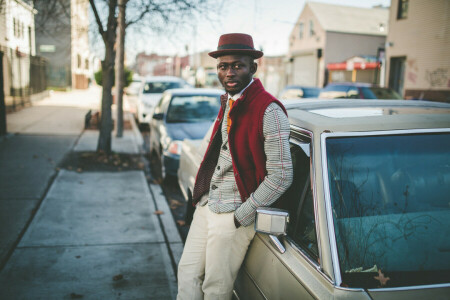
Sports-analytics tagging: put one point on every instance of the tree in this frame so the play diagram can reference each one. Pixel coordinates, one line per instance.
(141, 11)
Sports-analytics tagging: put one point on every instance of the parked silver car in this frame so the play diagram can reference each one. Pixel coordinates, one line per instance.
(369, 208)
(151, 91)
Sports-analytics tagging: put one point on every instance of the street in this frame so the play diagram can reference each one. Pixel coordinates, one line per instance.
(76, 225)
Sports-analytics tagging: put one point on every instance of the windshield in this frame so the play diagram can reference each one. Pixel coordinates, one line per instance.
(160, 87)
(391, 208)
(193, 109)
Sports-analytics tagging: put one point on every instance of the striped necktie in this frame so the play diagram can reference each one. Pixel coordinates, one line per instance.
(231, 102)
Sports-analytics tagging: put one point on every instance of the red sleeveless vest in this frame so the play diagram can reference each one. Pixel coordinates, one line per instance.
(245, 140)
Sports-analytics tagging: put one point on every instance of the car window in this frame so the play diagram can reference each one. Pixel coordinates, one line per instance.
(385, 93)
(160, 87)
(298, 201)
(391, 208)
(162, 103)
(193, 108)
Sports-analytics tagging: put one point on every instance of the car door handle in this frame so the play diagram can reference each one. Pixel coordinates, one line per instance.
(277, 243)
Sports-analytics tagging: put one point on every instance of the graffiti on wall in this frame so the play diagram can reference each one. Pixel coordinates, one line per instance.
(437, 77)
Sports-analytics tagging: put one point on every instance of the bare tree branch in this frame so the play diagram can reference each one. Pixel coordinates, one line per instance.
(97, 19)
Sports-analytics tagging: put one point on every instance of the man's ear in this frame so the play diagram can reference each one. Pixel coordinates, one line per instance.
(253, 68)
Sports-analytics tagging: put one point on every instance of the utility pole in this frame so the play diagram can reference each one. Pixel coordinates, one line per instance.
(119, 66)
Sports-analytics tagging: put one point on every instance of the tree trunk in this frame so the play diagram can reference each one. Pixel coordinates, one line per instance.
(119, 67)
(104, 139)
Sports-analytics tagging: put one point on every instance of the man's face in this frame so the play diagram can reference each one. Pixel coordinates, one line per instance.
(235, 72)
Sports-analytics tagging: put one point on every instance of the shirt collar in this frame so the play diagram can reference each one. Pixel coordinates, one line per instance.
(236, 96)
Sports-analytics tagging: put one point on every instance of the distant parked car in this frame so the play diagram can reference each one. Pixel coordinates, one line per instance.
(354, 90)
(298, 91)
(151, 91)
(180, 114)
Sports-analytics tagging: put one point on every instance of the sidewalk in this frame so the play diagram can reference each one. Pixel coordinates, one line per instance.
(95, 235)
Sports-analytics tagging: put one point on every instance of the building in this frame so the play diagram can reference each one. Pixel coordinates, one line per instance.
(326, 33)
(417, 52)
(62, 38)
(21, 70)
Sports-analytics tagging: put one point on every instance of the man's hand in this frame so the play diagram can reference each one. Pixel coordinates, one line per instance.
(236, 222)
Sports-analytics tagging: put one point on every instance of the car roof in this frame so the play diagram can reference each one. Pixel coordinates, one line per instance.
(195, 91)
(350, 115)
(163, 78)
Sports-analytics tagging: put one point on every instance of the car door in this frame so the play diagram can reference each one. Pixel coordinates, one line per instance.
(268, 274)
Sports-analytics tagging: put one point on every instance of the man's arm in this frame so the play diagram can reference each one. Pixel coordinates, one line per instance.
(278, 165)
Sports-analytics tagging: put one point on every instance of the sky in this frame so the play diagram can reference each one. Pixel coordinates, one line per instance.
(268, 21)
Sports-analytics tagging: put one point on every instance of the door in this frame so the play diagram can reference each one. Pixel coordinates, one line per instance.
(268, 274)
(397, 74)
(305, 70)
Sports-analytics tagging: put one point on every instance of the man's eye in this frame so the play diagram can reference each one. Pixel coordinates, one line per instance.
(222, 67)
(237, 67)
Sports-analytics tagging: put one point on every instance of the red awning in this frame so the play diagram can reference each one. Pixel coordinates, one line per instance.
(356, 66)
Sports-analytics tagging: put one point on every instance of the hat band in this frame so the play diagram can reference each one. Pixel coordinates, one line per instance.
(234, 47)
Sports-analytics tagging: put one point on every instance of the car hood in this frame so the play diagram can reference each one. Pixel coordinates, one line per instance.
(151, 98)
(181, 131)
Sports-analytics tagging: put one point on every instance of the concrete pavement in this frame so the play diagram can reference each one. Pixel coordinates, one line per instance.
(67, 234)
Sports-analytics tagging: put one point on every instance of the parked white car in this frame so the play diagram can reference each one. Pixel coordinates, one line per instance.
(151, 91)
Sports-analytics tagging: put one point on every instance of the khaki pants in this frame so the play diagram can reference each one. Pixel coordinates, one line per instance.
(212, 256)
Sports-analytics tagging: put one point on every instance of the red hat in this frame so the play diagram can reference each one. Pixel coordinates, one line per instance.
(236, 43)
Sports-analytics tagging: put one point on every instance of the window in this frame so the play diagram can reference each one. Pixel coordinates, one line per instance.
(311, 28)
(193, 108)
(14, 26)
(389, 196)
(299, 202)
(78, 60)
(402, 12)
(86, 64)
(300, 28)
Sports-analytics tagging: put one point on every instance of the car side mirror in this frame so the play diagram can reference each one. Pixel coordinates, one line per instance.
(158, 116)
(272, 221)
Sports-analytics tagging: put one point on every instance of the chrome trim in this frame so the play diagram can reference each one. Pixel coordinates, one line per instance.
(277, 243)
(415, 287)
(330, 221)
(313, 263)
(236, 295)
(310, 135)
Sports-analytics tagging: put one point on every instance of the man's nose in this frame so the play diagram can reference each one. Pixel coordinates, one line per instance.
(230, 72)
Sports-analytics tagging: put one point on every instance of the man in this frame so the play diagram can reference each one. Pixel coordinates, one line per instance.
(247, 165)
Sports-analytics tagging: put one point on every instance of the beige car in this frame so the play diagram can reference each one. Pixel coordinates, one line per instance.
(368, 213)
(369, 208)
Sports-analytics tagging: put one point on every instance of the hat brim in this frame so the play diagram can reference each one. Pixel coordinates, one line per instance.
(253, 53)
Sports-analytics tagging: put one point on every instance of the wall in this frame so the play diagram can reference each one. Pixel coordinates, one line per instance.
(424, 38)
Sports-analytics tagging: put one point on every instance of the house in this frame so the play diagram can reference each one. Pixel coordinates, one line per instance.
(326, 33)
(417, 52)
(62, 38)
(17, 50)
